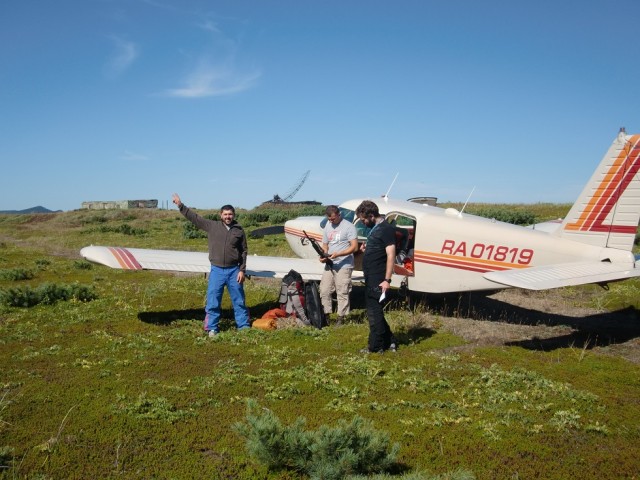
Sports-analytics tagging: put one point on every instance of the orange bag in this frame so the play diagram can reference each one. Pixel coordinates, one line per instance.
(275, 313)
(265, 323)
(268, 320)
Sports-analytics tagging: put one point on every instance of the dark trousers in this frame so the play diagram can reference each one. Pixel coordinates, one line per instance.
(380, 336)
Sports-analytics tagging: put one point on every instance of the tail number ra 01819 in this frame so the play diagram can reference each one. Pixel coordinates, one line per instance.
(497, 253)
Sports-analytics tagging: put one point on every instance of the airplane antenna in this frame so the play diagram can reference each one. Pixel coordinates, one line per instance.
(386, 195)
(465, 203)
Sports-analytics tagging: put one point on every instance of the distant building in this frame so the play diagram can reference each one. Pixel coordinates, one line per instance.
(120, 204)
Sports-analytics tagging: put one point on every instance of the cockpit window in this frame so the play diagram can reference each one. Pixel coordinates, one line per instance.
(347, 214)
(362, 229)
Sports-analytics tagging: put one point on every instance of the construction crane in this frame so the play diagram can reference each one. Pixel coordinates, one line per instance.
(292, 193)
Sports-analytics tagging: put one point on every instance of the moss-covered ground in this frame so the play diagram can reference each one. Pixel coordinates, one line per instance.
(127, 386)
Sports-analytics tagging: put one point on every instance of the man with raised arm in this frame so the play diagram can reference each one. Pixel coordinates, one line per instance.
(228, 257)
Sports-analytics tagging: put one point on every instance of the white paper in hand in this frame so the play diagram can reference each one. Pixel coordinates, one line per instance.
(383, 296)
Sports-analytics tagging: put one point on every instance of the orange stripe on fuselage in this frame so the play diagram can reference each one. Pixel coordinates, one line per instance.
(615, 182)
(299, 233)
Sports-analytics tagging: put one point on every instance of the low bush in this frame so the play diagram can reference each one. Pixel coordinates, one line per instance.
(516, 217)
(82, 265)
(253, 218)
(190, 231)
(327, 453)
(42, 263)
(47, 294)
(124, 229)
(15, 274)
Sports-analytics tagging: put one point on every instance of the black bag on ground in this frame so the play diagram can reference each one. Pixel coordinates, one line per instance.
(313, 305)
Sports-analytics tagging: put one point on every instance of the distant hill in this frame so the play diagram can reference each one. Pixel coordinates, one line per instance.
(37, 209)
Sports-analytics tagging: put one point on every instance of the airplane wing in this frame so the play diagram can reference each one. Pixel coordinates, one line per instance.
(181, 261)
(564, 275)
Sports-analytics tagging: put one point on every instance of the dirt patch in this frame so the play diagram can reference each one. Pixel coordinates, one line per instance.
(537, 320)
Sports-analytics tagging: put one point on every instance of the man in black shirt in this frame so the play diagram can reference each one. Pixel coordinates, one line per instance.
(377, 265)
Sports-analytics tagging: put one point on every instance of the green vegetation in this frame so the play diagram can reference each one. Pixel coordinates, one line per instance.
(15, 274)
(47, 294)
(256, 218)
(126, 385)
(327, 453)
(518, 214)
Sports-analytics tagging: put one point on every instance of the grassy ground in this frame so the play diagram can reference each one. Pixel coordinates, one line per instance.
(126, 385)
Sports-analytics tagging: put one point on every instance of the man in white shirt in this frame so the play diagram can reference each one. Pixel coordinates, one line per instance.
(339, 241)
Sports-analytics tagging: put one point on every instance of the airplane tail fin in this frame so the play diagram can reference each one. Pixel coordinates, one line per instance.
(607, 211)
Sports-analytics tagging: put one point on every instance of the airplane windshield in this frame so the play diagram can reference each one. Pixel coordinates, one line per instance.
(347, 214)
(362, 229)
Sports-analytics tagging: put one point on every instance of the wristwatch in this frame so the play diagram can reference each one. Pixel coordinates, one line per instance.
(388, 280)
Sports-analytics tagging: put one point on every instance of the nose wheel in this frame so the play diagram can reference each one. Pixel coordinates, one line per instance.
(403, 291)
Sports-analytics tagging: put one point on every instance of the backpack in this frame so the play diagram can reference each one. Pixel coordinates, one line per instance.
(292, 296)
(313, 306)
(302, 300)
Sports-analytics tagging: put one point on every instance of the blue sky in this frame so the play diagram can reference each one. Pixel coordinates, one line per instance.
(233, 101)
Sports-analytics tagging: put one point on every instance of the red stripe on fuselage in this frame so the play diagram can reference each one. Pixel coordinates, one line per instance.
(459, 266)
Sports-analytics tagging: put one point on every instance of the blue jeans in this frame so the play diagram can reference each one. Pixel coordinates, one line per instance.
(218, 278)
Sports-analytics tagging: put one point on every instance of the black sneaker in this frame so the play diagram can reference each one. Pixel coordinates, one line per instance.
(366, 350)
(339, 321)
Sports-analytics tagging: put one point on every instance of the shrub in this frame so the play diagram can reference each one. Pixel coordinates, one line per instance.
(95, 219)
(47, 293)
(327, 453)
(190, 231)
(15, 274)
(278, 217)
(254, 217)
(124, 229)
(516, 217)
(42, 263)
(82, 265)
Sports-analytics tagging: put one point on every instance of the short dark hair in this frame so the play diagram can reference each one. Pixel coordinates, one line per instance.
(366, 208)
(331, 209)
(227, 207)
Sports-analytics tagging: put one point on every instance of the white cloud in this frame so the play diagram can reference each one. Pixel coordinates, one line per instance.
(209, 81)
(216, 71)
(124, 54)
(210, 26)
(129, 156)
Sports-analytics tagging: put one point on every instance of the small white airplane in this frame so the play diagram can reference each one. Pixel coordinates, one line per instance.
(444, 250)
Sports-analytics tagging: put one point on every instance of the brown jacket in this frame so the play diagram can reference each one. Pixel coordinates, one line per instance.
(227, 246)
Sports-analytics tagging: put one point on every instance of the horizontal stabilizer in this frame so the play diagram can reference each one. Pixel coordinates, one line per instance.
(564, 275)
(180, 261)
